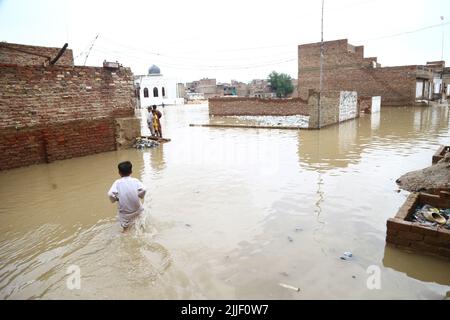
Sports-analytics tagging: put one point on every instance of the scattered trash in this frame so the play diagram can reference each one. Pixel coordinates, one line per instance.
(142, 143)
(187, 225)
(298, 229)
(290, 239)
(289, 287)
(347, 255)
(354, 277)
(284, 274)
(430, 216)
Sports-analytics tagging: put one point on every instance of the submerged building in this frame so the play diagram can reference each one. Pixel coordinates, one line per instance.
(346, 68)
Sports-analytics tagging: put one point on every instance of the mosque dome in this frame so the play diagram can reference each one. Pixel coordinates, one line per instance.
(154, 70)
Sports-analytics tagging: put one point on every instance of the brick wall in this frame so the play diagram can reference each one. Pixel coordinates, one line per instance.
(346, 69)
(20, 148)
(256, 106)
(32, 95)
(8, 55)
(58, 112)
(55, 142)
(411, 236)
(333, 108)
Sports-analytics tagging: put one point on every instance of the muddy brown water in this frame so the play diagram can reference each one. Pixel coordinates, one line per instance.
(230, 214)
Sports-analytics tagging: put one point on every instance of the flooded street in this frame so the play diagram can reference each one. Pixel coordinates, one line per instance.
(230, 214)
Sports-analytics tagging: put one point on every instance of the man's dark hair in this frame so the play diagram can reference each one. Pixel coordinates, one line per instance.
(125, 168)
(154, 107)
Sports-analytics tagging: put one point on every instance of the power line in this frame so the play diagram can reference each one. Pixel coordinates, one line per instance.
(187, 58)
(92, 45)
(407, 32)
(196, 60)
(205, 67)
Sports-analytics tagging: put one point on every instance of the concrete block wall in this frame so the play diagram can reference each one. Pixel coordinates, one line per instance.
(376, 105)
(411, 236)
(127, 129)
(348, 105)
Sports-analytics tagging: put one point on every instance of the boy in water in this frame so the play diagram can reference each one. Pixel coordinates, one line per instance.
(127, 191)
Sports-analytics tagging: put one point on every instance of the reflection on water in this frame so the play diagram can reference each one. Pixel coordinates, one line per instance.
(230, 213)
(415, 267)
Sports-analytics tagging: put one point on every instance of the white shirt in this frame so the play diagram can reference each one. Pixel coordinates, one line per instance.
(127, 191)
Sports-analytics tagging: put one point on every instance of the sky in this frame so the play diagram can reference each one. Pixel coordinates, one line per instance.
(234, 39)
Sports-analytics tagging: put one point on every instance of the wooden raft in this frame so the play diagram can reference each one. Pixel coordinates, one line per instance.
(160, 140)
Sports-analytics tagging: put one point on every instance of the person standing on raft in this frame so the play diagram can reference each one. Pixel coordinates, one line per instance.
(156, 122)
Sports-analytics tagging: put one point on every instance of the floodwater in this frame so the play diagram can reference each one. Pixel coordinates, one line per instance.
(230, 214)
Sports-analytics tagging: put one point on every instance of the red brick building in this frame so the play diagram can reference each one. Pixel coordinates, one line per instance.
(346, 68)
(52, 112)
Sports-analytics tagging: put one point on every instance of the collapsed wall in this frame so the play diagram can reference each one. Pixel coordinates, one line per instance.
(59, 112)
(240, 106)
(333, 107)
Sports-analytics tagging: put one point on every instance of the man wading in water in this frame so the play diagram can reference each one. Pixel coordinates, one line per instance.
(127, 191)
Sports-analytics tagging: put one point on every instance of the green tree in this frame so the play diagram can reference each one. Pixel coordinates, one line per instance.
(281, 84)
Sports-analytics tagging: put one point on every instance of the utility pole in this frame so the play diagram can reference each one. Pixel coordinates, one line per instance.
(92, 45)
(443, 93)
(321, 69)
(442, 50)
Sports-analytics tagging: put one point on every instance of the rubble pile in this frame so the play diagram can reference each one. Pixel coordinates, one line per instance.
(434, 177)
(144, 143)
(432, 217)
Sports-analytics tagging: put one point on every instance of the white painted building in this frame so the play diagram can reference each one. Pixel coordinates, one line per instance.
(156, 89)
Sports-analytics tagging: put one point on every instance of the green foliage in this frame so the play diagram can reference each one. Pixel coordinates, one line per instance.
(281, 84)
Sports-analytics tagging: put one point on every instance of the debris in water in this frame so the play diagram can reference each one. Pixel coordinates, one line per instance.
(142, 143)
(289, 287)
(430, 216)
(347, 255)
